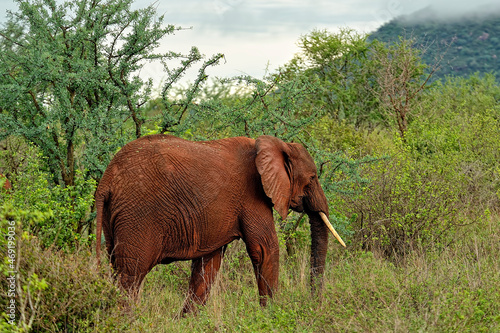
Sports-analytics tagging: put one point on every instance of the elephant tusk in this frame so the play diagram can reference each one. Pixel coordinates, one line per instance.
(329, 225)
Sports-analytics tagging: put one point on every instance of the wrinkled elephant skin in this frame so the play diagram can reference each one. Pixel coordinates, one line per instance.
(164, 199)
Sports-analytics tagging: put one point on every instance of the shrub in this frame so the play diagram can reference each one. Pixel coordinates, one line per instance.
(459, 130)
(78, 291)
(408, 204)
(443, 176)
(54, 290)
(66, 210)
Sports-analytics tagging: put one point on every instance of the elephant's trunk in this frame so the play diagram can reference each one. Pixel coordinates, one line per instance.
(319, 245)
(320, 226)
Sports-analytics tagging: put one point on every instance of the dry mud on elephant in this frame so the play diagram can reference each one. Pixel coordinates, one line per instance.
(164, 199)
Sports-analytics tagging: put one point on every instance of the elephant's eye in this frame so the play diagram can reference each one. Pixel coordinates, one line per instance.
(311, 181)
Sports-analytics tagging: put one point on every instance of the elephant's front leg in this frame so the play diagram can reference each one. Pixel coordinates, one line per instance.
(265, 260)
(203, 273)
(262, 245)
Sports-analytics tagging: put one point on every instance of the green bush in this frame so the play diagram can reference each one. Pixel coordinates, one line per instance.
(334, 135)
(406, 205)
(56, 291)
(21, 292)
(50, 274)
(459, 131)
(77, 292)
(444, 176)
(66, 210)
(53, 290)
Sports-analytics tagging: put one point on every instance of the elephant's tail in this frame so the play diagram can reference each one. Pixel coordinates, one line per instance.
(101, 199)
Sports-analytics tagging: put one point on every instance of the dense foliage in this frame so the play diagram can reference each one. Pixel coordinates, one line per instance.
(70, 85)
(464, 45)
(69, 79)
(410, 171)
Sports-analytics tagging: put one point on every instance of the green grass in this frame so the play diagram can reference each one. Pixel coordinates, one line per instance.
(456, 289)
(452, 288)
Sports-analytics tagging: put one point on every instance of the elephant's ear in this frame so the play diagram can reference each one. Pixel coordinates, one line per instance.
(273, 165)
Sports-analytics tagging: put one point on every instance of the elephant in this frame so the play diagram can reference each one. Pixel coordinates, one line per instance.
(6, 183)
(163, 199)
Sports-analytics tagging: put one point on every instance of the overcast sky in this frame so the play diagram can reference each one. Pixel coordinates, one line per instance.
(254, 34)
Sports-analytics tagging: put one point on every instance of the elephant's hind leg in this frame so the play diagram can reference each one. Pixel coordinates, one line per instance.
(131, 273)
(203, 273)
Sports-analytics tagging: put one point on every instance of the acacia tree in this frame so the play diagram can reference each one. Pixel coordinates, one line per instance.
(401, 76)
(343, 64)
(363, 81)
(69, 78)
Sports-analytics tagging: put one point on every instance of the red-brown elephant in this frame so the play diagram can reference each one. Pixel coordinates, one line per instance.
(164, 199)
(6, 183)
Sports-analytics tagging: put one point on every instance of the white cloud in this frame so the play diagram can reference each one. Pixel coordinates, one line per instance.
(253, 33)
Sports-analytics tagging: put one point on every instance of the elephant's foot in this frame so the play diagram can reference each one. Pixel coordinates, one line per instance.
(189, 307)
(263, 300)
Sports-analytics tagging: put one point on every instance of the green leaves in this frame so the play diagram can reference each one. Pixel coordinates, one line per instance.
(57, 215)
(69, 80)
(343, 64)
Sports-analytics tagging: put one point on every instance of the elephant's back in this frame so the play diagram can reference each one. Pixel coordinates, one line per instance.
(161, 159)
(163, 170)
(139, 166)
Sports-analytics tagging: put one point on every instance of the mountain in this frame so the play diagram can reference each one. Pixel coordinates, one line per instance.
(468, 42)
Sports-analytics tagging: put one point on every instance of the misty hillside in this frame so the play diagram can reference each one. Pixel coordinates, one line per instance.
(470, 43)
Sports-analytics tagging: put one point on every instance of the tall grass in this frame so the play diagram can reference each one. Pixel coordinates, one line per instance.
(454, 289)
